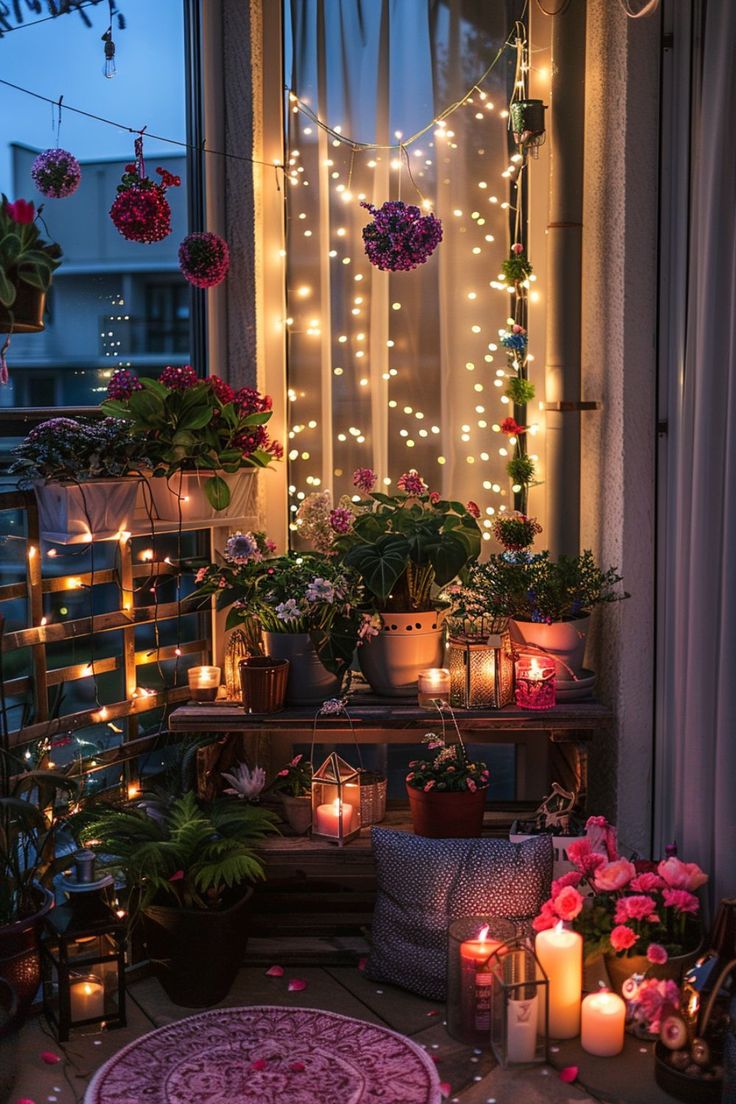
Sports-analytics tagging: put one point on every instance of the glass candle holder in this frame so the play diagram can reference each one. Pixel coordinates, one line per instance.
(204, 682)
(535, 684)
(519, 1013)
(481, 671)
(433, 685)
(473, 942)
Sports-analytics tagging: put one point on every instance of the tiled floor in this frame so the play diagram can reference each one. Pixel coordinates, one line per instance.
(344, 989)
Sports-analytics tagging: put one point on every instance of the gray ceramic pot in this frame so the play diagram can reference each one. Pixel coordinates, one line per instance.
(310, 683)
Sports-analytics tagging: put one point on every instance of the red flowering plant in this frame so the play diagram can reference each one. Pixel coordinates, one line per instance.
(190, 424)
(25, 259)
(449, 771)
(639, 908)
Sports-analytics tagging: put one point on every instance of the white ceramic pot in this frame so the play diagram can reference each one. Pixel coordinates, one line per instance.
(309, 683)
(188, 489)
(407, 643)
(75, 513)
(560, 844)
(563, 640)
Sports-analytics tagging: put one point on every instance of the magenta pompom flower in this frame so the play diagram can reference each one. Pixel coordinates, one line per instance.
(341, 519)
(204, 259)
(656, 954)
(178, 377)
(56, 173)
(400, 237)
(123, 384)
(412, 483)
(364, 479)
(141, 211)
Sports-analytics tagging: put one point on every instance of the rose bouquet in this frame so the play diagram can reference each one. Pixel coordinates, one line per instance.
(635, 909)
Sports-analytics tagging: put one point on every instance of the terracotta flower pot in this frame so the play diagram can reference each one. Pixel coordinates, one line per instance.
(564, 641)
(407, 643)
(20, 961)
(27, 311)
(447, 815)
(622, 967)
(297, 812)
(309, 682)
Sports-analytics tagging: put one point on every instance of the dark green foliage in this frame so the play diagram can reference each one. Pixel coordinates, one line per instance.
(521, 469)
(520, 391)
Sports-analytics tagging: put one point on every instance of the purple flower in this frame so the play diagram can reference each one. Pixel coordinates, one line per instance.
(400, 237)
(341, 519)
(123, 384)
(364, 479)
(56, 173)
(412, 483)
(241, 548)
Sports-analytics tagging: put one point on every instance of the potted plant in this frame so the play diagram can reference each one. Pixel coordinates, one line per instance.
(558, 817)
(27, 264)
(293, 784)
(404, 547)
(643, 917)
(447, 793)
(300, 607)
(205, 440)
(33, 806)
(77, 469)
(190, 868)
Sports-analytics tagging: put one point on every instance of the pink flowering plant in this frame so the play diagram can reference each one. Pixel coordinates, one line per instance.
(407, 545)
(191, 424)
(449, 771)
(25, 258)
(294, 779)
(642, 908)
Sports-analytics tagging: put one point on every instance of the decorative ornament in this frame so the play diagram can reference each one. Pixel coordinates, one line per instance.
(526, 120)
(204, 259)
(56, 173)
(400, 237)
(141, 210)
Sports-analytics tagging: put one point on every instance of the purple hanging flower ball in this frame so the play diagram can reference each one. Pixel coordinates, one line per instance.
(400, 237)
(204, 259)
(56, 173)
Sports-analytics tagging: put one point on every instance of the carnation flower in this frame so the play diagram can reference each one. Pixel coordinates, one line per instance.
(400, 237)
(320, 590)
(585, 859)
(221, 388)
(646, 883)
(572, 878)
(178, 377)
(241, 548)
(288, 611)
(204, 259)
(412, 483)
(568, 903)
(623, 938)
(56, 173)
(637, 907)
(122, 384)
(341, 519)
(657, 954)
(364, 479)
(681, 900)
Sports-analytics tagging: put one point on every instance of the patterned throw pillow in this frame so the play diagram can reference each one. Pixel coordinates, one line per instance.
(425, 884)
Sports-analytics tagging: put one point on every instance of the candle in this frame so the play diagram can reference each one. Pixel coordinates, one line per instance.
(86, 998)
(560, 953)
(535, 684)
(433, 684)
(327, 818)
(521, 1029)
(204, 683)
(477, 980)
(602, 1028)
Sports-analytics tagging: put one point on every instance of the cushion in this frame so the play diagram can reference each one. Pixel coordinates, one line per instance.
(425, 884)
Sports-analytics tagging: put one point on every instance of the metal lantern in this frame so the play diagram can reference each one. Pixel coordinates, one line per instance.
(481, 671)
(526, 119)
(520, 1009)
(336, 801)
(83, 954)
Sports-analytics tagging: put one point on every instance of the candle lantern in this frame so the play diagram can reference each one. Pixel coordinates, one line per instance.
(336, 801)
(473, 941)
(481, 671)
(83, 954)
(519, 1013)
(535, 683)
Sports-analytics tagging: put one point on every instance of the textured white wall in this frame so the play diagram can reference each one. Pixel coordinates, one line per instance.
(618, 355)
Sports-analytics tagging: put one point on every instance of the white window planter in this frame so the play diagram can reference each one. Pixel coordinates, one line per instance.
(75, 513)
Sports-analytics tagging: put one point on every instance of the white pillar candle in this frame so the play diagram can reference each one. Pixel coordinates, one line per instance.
(432, 684)
(602, 1027)
(560, 953)
(522, 1019)
(327, 818)
(87, 998)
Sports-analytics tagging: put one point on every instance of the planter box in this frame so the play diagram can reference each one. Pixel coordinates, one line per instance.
(75, 513)
(183, 495)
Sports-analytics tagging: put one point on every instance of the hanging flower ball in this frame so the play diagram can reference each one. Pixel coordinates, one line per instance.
(141, 211)
(400, 236)
(56, 173)
(204, 259)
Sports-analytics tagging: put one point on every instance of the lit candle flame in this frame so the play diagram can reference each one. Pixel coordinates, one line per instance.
(483, 933)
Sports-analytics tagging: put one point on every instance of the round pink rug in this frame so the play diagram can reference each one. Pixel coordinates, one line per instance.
(267, 1055)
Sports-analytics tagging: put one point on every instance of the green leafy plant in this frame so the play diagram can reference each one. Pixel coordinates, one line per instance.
(189, 424)
(295, 779)
(450, 771)
(76, 450)
(34, 805)
(543, 589)
(181, 852)
(25, 258)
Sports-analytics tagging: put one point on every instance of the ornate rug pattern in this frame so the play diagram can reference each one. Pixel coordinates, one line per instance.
(268, 1055)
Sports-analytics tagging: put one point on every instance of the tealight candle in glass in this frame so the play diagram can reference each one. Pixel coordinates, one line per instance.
(433, 685)
(204, 682)
(535, 684)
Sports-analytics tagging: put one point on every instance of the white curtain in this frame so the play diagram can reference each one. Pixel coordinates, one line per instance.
(397, 371)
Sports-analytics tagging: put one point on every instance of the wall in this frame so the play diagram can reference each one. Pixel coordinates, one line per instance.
(618, 346)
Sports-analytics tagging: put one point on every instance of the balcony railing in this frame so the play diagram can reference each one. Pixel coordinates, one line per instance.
(143, 336)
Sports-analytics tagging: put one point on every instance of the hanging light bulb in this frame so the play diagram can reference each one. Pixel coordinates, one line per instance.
(109, 69)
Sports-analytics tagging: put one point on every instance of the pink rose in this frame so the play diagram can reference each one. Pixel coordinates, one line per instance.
(547, 918)
(656, 954)
(681, 875)
(568, 903)
(646, 883)
(614, 875)
(585, 859)
(623, 938)
(681, 900)
(636, 908)
(571, 879)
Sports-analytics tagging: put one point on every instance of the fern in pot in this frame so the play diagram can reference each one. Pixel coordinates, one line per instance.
(190, 868)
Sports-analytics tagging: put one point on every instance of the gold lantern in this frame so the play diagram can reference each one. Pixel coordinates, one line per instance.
(336, 801)
(481, 671)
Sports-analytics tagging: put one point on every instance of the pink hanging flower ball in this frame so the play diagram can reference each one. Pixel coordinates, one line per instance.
(56, 173)
(204, 259)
